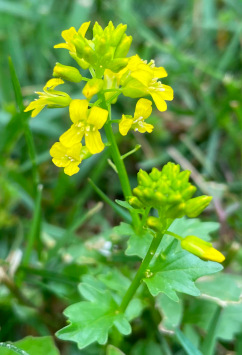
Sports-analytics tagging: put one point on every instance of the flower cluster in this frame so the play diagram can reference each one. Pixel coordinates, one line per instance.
(113, 73)
(168, 191)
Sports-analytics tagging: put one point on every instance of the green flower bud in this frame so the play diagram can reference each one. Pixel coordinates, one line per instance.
(143, 178)
(66, 72)
(97, 30)
(202, 249)
(155, 223)
(196, 205)
(188, 192)
(92, 87)
(123, 47)
(176, 211)
(135, 202)
(155, 174)
(118, 64)
(118, 34)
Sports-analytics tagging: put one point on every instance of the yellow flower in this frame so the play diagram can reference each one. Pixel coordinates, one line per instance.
(140, 79)
(202, 249)
(68, 158)
(143, 110)
(85, 123)
(50, 98)
(69, 36)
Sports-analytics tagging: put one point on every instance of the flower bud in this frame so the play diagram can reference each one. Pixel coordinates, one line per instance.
(123, 47)
(155, 174)
(67, 73)
(155, 223)
(118, 64)
(92, 87)
(188, 192)
(201, 249)
(176, 211)
(135, 203)
(118, 34)
(143, 178)
(196, 205)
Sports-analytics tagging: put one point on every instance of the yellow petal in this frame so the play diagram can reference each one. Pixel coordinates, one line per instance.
(36, 106)
(143, 108)
(61, 162)
(57, 150)
(94, 142)
(52, 83)
(167, 93)
(97, 117)
(125, 125)
(75, 151)
(78, 110)
(143, 127)
(83, 29)
(62, 45)
(159, 101)
(72, 168)
(143, 76)
(159, 72)
(68, 34)
(72, 136)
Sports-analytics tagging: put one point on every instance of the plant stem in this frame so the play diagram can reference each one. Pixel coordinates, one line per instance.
(141, 272)
(118, 161)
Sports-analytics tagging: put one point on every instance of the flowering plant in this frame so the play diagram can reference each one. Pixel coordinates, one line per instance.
(171, 261)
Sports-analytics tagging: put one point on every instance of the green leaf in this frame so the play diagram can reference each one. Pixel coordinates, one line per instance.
(194, 226)
(177, 273)
(170, 311)
(112, 350)
(34, 346)
(189, 348)
(221, 287)
(138, 244)
(91, 320)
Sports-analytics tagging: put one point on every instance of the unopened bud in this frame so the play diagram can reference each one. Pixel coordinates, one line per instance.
(92, 87)
(143, 178)
(155, 223)
(201, 249)
(118, 64)
(123, 47)
(155, 174)
(135, 202)
(66, 72)
(176, 211)
(196, 205)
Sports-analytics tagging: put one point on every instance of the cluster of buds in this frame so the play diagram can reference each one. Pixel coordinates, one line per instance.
(168, 191)
(113, 73)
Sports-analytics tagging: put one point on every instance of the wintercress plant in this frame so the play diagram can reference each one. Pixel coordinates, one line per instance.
(170, 262)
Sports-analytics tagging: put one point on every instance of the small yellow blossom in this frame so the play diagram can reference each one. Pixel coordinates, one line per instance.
(68, 158)
(69, 36)
(140, 79)
(85, 123)
(202, 249)
(143, 110)
(50, 98)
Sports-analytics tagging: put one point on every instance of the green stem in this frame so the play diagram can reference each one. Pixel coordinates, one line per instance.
(118, 161)
(140, 273)
(174, 235)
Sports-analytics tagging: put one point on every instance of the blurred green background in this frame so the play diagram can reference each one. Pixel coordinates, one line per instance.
(199, 44)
